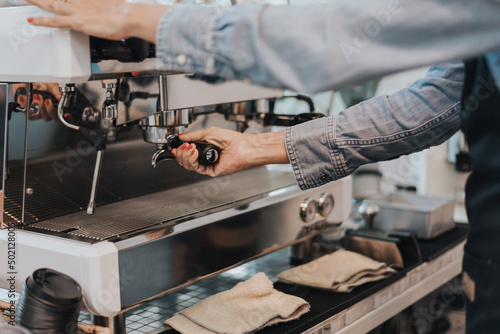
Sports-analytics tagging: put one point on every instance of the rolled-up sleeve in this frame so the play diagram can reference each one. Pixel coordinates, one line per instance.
(313, 153)
(383, 128)
(320, 47)
(186, 41)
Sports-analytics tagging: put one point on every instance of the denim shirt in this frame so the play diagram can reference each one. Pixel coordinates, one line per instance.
(314, 48)
(383, 128)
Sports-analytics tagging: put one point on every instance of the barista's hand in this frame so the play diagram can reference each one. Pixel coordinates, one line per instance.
(109, 19)
(238, 151)
(47, 109)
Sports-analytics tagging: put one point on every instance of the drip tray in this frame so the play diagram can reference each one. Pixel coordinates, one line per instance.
(115, 220)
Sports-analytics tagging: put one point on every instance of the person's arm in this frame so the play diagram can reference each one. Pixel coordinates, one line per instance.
(238, 151)
(327, 149)
(383, 128)
(303, 48)
(320, 47)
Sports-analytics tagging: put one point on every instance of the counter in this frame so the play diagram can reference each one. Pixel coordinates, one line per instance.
(360, 311)
(357, 312)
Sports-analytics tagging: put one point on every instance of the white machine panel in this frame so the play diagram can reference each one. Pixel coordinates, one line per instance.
(94, 267)
(38, 54)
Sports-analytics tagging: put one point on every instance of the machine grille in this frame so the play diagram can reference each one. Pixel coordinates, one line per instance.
(126, 173)
(115, 220)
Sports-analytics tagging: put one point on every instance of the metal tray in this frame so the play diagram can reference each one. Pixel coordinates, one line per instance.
(428, 216)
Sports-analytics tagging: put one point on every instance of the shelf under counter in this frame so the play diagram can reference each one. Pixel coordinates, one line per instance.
(360, 311)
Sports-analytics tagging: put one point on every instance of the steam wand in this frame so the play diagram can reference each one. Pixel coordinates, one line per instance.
(95, 136)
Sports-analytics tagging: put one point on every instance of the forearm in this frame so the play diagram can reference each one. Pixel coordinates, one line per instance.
(320, 47)
(383, 128)
(142, 20)
(267, 148)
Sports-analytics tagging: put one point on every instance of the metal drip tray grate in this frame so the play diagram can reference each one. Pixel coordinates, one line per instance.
(51, 197)
(117, 219)
(126, 173)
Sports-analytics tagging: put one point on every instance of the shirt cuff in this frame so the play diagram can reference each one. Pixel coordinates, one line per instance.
(313, 153)
(185, 39)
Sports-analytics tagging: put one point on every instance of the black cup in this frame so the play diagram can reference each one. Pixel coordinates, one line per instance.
(49, 303)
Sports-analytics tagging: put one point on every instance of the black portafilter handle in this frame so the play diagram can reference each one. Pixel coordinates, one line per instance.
(208, 154)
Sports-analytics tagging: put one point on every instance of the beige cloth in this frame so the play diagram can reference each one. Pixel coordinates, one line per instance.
(340, 271)
(248, 306)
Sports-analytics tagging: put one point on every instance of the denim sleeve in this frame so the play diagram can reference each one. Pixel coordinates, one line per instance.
(383, 128)
(319, 47)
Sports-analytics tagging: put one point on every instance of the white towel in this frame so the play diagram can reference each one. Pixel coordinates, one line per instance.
(340, 271)
(248, 306)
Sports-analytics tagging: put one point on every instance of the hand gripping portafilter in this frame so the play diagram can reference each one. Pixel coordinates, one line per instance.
(49, 303)
(162, 130)
(208, 154)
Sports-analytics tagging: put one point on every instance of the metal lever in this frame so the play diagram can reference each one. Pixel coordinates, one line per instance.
(95, 180)
(208, 154)
(65, 90)
(369, 211)
(15, 107)
(157, 157)
(98, 139)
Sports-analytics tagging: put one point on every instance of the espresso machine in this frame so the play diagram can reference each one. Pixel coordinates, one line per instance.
(94, 194)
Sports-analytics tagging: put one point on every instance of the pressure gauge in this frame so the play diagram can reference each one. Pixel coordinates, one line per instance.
(326, 204)
(308, 210)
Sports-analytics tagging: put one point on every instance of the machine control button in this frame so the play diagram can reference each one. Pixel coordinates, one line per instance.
(326, 204)
(181, 59)
(308, 210)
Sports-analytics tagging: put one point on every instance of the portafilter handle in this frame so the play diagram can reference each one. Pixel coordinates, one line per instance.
(208, 154)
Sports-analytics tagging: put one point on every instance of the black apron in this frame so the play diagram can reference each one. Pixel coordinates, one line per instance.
(481, 126)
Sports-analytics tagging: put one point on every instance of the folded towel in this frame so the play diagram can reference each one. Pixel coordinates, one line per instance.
(248, 306)
(340, 271)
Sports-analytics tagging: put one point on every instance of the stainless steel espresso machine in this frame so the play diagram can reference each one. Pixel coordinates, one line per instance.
(91, 193)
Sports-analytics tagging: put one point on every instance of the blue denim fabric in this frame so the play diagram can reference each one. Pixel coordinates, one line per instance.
(383, 128)
(320, 47)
